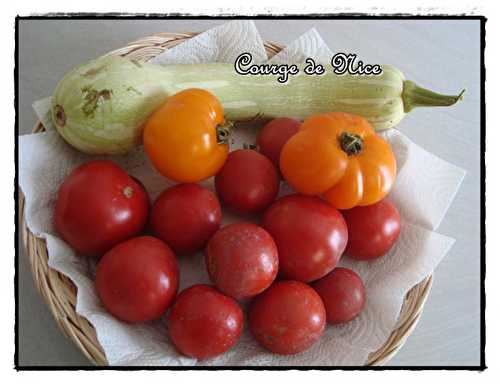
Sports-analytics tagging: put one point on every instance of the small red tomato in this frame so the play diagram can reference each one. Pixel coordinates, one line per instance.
(98, 206)
(273, 136)
(204, 323)
(343, 294)
(287, 318)
(248, 182)
(242, 260)
(185, 217)
(373, 230)
(310, 234)
(137, 280)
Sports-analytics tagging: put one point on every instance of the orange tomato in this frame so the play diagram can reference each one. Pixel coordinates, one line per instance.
(181, 137)
(339, 156)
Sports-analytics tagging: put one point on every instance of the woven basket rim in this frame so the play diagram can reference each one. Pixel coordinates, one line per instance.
(59, 292)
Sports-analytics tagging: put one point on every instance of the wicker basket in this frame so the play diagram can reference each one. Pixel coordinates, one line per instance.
(59, 292)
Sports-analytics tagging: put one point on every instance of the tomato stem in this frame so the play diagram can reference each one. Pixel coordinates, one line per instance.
(351, 143)
(223, 132)
(128, 192)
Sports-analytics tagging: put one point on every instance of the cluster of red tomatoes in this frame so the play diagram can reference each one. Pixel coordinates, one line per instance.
(286, 266)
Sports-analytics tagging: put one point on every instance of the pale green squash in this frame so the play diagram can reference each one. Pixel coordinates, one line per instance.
(100, 107)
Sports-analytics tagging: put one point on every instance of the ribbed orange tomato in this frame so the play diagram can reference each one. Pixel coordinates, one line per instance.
(339, 156)
(185, 138)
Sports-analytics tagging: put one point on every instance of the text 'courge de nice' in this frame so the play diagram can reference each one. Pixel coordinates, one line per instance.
(341, 64)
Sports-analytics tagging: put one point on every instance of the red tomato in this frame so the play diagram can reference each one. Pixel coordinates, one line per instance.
(273, 136)
(204, 323)
(137, 280)
(343, 294)
(248, 181)
(98, 206)
(242, 260)
(310, 234)
(287, 318)
(373, 230)
(185, 217)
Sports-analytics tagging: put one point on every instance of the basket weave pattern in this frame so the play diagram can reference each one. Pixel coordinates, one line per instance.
(59, 292)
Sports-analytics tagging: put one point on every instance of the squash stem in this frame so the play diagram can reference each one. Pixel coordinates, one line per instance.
(415, 96)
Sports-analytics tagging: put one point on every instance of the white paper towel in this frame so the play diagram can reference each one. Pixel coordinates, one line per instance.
(310, 44)
(424, 189)
(218, 45)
